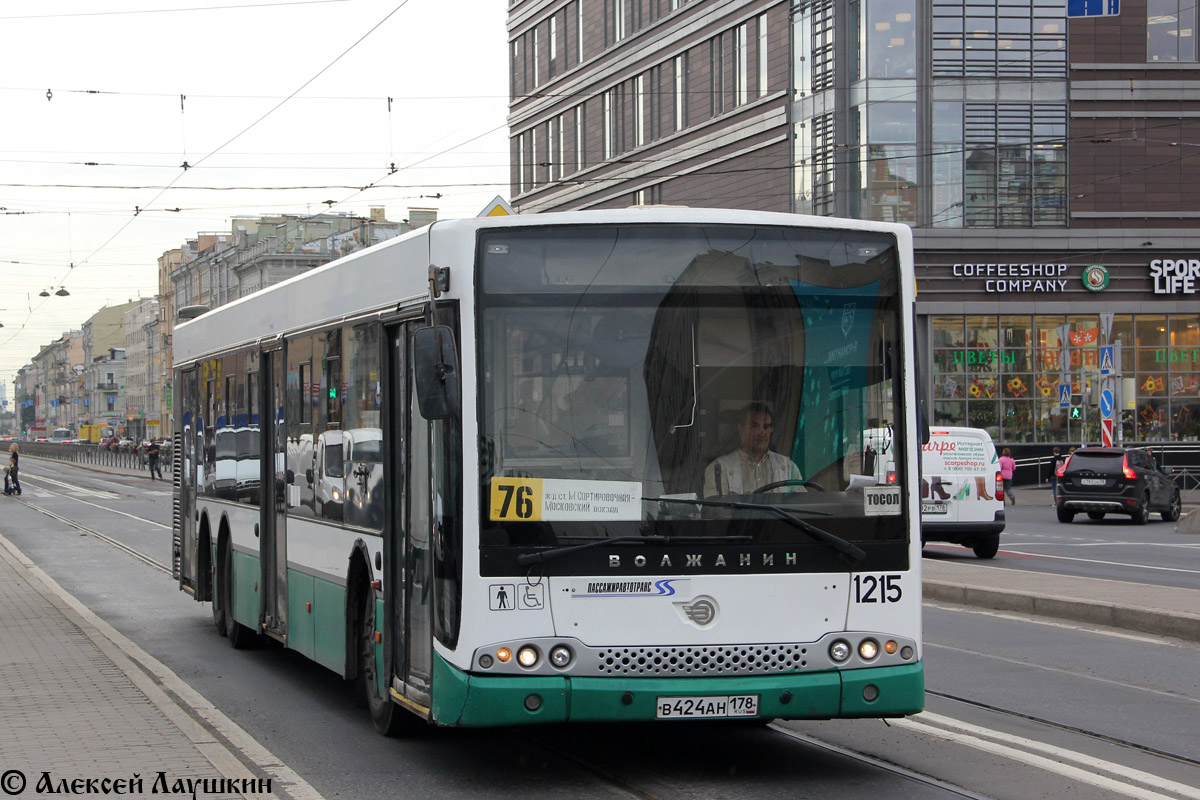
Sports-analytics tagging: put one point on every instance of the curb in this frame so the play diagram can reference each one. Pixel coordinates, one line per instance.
(1142, 620)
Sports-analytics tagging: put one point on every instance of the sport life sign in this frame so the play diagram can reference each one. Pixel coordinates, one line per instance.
(1175, 275)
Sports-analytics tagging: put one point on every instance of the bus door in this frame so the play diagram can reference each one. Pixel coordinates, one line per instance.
(184, 512)
(408, 585)
(274, 493)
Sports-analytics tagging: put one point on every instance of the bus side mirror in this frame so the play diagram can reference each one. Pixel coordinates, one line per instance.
(435, 367)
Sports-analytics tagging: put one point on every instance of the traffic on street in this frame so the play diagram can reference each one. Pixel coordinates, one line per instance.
(1017, 705)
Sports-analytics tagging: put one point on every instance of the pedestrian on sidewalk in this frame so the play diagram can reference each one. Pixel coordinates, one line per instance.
(14, 458)
(1056, 462)
(1006, 473)
(152, 453)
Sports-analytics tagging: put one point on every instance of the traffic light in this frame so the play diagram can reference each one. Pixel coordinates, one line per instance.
(1075, 412)
(1076, 399)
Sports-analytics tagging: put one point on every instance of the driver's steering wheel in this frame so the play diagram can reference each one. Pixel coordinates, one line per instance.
(790, 482)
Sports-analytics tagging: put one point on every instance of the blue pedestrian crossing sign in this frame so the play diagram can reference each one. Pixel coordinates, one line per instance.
(1093, 8)
(1106, 403)
(1064, 395)
(1106, 360)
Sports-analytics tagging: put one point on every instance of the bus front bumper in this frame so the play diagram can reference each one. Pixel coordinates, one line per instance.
(471, 700)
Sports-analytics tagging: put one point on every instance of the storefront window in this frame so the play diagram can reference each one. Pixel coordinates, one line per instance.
(1003, 374)
(1151, 330)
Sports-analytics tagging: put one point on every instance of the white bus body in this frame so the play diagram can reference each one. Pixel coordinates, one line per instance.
(517, 533)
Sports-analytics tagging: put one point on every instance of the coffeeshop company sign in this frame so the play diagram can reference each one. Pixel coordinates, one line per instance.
(1016, 278)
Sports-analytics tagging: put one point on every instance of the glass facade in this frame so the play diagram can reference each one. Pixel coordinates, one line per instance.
(918, 141)
(1002, 373)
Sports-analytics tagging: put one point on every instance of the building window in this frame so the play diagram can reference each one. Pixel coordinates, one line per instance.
(741, 63)
(520, 163)
(716, 71)
(891, 38)
(578, 31)
(999, 40)
(680, 96)
(1171, 30)
(639, 114)
(533, 160)
(553, 42)
(762, 54)
(579, 137)
(888, 176)
(821, 49)
(1014, 165)
(608, 124)
(533, 56)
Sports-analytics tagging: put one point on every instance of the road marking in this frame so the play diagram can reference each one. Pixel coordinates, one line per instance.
(1123, 778)
(106, 508)
(74, 487)
(1100, 561)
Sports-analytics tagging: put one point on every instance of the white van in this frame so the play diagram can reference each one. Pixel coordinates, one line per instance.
(962, 494)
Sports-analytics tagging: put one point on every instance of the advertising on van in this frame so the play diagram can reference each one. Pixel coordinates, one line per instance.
(962, 495)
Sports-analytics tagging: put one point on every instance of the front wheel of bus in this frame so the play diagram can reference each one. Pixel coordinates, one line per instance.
(389, 719)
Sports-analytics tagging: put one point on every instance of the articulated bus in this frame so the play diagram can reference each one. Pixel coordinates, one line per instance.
(584, 466)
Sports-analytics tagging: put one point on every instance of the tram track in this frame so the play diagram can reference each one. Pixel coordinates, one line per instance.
(136, 554)
(1072, 729)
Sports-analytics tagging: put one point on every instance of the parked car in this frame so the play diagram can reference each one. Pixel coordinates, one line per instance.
(1110, 480)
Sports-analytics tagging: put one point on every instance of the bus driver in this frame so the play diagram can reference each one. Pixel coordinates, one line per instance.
(752, 465)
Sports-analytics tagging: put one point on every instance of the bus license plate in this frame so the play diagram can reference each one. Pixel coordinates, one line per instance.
(734, 705)
(933, 508)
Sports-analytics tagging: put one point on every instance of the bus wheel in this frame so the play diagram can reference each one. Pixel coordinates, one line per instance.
(216, 596)
(986, 546)
(240, 636)
(388, 718)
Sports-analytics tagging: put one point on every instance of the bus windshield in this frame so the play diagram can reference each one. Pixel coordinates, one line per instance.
(686, 383)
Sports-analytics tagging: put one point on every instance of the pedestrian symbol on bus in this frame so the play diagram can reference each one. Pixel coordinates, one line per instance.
(1064, 395)
(1106, 360)
(503, 597)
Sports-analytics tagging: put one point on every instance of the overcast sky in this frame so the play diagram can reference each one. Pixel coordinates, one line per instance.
(277, 94)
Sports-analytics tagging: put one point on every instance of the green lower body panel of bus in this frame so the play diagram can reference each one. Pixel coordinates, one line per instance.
(474, 700)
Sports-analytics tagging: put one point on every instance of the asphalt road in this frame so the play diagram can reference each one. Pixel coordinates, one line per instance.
(1017, 708)
(1112, 548)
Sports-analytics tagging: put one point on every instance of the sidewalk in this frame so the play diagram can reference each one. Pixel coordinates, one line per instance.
(86, 711)
(1161, 610)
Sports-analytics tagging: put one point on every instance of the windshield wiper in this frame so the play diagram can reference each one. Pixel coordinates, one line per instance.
(850, 553)
(554, 552)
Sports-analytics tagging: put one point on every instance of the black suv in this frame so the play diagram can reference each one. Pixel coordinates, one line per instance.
(1109, 480)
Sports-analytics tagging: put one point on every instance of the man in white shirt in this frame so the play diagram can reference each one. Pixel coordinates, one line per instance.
(752, 465)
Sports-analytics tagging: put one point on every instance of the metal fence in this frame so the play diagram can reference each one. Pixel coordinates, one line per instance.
(95, 454)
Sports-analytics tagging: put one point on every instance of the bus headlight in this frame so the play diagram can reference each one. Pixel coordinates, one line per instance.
(528, 656)
(561, 656)
(868, 649)
(839, 651)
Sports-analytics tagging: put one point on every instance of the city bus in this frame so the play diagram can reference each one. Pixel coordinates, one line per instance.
(485, 451)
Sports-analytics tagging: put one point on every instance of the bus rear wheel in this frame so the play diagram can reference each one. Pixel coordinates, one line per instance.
(240, 636)
(389, 719)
